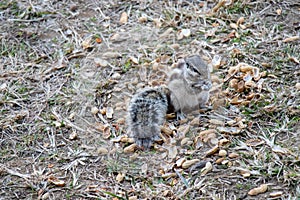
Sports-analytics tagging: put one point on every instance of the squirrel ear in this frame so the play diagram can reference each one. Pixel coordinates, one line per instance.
(180, 63)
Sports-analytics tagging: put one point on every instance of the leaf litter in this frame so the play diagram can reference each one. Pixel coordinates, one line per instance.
(69, 72)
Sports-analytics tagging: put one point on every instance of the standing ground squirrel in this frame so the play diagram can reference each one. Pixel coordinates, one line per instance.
(188, 90)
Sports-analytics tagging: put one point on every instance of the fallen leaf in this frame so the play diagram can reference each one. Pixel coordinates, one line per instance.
(208, 167)
(189, 163)
(102, 150)
(276, 194)
(94, 110)
(254, 142)
(172, 151)
(233, 155)
(229, 130)
(98, 40)
(106, 133)
(222, 153)
(86, 44)
(73, 135)
(130, 148)
(100, 62)
(120, 177)
(123, 18)
(261, 189)
(109, 112)
(278, 11)
(212, 151)
(291, 39)
(56, 181)
(180, 161)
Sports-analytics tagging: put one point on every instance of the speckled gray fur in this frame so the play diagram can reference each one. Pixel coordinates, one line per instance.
(188, 90)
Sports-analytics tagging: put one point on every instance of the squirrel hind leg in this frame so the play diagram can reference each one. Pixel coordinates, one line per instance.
(145, 137)
(144, 142)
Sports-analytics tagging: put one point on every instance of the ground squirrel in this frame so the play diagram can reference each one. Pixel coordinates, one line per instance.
(189, 84)
(187, 90)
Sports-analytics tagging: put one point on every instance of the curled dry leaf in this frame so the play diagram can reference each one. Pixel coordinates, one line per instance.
(109, 112)
(234, 26)
(86, 44)
(189, 163)
(229, 130)
(276, 194)
(294, 59)
(223, 142)
(183, 33)
(222, 153)
(157, 22)
(234, 83)
(220, 4)
(167, 33)
(130, 148)
(180, 161)
(166, 130)
(127, 140)
(245, 173)
(168, 175)
(261, 189)
(195, 121)
(208, 167)
(106, 133)
(123, 18)
(143, 19)
(216, 61)
(212, 151)
(120, 177)
(254, 142)
(297, 86)
(102, 150)
(291, 39)
(56, 181)
(220, 160)
(172, 151)
(94, 110)
(185, 141)
(100, 62)
(133, 198)
(278, 11)
(241, 20)
(110, 54)
(233, 155)
(134, 60)
(183, 130)
(73, 135)
(216, 122)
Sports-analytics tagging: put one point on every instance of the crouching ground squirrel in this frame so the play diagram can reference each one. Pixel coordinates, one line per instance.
(187, 90)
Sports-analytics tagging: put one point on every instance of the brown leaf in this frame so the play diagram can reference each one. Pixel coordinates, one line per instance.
(276, 194)
(124, 18)
(261, 189)
(56, 181)
(106, 133)
(212, 151)
(291, 39)
(109, 112)
(229, 130)
(189, 163)
(254, 142)
(130, 148)
(120, 177)
(208, 167)
(102, 150)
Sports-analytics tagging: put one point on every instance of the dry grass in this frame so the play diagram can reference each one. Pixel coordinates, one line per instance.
(59, 60)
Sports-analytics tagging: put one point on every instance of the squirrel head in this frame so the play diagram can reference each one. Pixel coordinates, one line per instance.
(196, 72)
